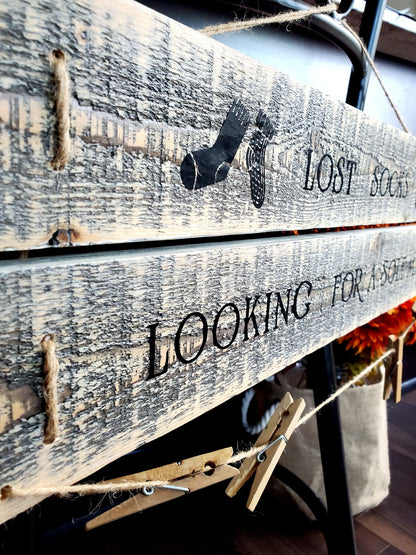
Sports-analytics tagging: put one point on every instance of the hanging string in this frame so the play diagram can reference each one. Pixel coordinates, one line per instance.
(80, 489)
(120, 486)
(284, 17)
(376, 73)
(255, 450)
(344, 387)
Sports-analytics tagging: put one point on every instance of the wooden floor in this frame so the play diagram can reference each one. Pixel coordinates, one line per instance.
(391, 527)
(209, 523)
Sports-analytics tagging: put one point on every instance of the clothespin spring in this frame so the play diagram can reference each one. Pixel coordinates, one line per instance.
(151, 490)
(261, 457)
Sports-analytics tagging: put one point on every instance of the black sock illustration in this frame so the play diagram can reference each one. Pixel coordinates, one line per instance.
(255, 157)
(210, 165)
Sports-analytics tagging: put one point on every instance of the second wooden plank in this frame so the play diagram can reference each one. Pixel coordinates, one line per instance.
(149, 340)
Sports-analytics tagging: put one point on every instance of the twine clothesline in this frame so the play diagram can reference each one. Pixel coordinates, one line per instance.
(290, 16)
(131, 485)
(255, 450)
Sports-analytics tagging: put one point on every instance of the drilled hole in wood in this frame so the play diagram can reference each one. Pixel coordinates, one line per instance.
(5, 492)
(58, 54)
(211, 470)
(64, 237)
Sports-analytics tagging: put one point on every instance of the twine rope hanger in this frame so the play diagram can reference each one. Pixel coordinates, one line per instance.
(284, 17)
(50, 388)
(62, 105)
(289, 16)
(62, 81)
(377, 74)
(131, 486)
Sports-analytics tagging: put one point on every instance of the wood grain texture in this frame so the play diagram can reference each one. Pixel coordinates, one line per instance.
(100, 308)
(145, 91)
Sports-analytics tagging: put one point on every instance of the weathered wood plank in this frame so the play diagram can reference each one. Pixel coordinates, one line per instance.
(145, 92)
(105, 308)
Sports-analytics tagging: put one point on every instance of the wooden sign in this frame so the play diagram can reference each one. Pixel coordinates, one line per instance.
(147, 340)
(175, 135)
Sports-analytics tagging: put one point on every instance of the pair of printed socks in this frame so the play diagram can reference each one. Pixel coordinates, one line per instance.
(211, 165)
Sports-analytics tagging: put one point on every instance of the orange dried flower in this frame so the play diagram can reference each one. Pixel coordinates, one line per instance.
(374, 335)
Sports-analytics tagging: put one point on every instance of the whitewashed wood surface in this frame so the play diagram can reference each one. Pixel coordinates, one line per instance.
(101, 306)
(145, 92)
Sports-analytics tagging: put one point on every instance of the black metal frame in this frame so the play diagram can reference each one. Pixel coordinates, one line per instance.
(369, 31)
(340, 535)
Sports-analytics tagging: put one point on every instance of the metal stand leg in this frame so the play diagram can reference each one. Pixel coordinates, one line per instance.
(369, 31)
(340, 526)
(308, 496)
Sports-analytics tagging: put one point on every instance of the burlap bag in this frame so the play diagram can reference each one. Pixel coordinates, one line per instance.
(364, 427)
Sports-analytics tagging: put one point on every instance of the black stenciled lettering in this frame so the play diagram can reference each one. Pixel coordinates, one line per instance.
(179, 333)
(392, 274)
(374, 183)
(400, 268)
(308, 169)
(319, 172)
(404, 185)
(337, 283)
(344, 281)
(348, 285)
(358, 277)
(152, 355)
(339, 175)
(283, 309)
(401, 261)
(383, 274)
(251, 316)
(295, 311)
(267, 317)
(390, 271)
(215, 326)
(386, 180)
(408, 175)
(399, 190)
(352, 167)
(393, 182)
(329, 173)
(394, 178)
(398, 193)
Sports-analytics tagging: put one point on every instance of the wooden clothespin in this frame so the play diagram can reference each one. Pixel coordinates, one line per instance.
(394, 370)
(185, 477)
(276, 434)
